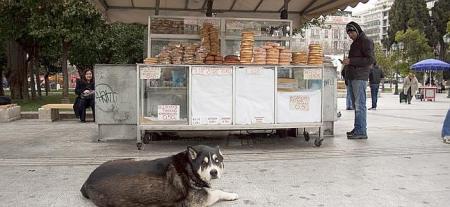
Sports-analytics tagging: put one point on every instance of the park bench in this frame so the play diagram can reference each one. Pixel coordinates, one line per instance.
(50, 112)
(9, 112)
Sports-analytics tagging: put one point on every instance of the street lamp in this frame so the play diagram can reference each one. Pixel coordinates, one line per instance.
(447, 41)
(395, 47)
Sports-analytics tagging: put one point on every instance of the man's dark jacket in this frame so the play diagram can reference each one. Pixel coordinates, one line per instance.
(361, 57)
(376, 74)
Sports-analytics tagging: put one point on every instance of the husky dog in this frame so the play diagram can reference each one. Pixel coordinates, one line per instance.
(181, 180)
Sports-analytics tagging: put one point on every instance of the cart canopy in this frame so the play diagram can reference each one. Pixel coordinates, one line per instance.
(130, 11)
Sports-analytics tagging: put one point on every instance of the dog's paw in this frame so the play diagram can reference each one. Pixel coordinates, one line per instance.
(232, 197)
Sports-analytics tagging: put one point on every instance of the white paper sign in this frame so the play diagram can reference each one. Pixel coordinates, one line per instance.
(213, 120)
(254, 70)
(196, 121)
(258, 120)
(225, 120)
(312, 74)
(212, 71)
(299, 103)
(169, 112)
(150, 73)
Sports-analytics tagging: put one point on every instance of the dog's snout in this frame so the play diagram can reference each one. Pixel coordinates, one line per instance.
(213, 173)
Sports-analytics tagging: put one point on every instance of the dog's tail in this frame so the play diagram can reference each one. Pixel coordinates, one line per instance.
(83, 191)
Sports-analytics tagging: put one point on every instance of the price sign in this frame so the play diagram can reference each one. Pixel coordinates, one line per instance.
(168, 112)
(150, 73)
(299, 103)
(225, 120)
(312, 74)
(212, 71)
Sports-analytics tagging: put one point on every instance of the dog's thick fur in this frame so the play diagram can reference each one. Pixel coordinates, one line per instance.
(180, 180)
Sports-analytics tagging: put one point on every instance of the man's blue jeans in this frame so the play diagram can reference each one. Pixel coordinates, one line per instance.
(358, 87)
(348, 100)
(374, 94)
(446, 125)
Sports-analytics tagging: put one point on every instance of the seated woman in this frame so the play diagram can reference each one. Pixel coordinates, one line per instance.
(85, 89)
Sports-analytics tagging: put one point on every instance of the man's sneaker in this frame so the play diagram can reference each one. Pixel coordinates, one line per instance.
(372, 108)
(357, 136)
(350, 132)
(446, 139)
(349, 109)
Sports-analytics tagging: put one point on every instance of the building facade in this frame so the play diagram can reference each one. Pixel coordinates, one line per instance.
(332, 36)
(376, 20)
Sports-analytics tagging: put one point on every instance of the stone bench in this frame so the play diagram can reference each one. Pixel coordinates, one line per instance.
(50, 112)
(9, 112)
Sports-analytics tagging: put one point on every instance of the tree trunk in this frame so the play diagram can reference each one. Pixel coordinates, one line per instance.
(47, 84)
(66, 46)
(443, 49)
(2, 92)
(38, 83)
(17, 74)
(32, 77)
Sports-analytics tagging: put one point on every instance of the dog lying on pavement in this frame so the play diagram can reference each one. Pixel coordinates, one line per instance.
(181, 180)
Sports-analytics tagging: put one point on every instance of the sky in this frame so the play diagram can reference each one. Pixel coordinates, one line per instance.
(361, 6)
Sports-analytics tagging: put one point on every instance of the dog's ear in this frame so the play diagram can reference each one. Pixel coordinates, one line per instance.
(192, 153)
(218, 149)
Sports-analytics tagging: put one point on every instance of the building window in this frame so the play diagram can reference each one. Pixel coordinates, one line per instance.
(335, 45)
(335, 34)
(326, 34)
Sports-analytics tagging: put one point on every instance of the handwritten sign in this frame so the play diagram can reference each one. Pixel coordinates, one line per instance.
(312, 74)
(150, 73)
(254, 70)
(212, 71)
(299, 103)
(213, 120)
(225, 120)
(258, 120)
(196, 120)
(169, 112)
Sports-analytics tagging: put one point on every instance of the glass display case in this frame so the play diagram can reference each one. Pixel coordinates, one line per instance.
(299, 94)
(163, 94)
(163, 30)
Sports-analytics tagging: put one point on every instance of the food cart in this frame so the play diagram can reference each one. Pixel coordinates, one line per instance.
(224, 94)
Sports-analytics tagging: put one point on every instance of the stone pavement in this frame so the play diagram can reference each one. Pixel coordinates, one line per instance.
(403, 163)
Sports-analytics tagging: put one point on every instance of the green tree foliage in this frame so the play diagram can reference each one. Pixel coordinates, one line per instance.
(440, 16)
(384, 61)
(415, 47)
(406, 14)
(127, 44)
(68, 21)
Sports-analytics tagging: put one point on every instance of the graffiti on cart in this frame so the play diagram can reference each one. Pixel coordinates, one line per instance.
(106, 98)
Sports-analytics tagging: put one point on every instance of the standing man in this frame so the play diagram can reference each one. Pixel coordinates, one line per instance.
(360, 59)
(375, 76)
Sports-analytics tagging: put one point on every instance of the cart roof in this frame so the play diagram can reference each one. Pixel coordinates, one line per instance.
(129, 11)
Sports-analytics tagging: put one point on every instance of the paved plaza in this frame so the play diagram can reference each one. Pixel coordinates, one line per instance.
(403, 163)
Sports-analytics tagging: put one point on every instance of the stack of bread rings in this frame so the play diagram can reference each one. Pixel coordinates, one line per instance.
(246, 52)
(315, 55)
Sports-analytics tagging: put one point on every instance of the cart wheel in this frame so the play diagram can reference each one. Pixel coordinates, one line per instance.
(282, 133)
(139, 145)
(318, 142)
(306, 135)
(147, 138)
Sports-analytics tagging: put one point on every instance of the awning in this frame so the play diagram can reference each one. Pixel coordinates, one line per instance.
(129, 11)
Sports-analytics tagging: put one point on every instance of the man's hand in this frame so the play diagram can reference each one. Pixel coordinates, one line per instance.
(346, 61)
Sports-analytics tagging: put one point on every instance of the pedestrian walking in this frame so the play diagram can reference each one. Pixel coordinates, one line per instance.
(375, 76)
(359, 62)
(348, 98)
(446, 128)
(410, 86)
